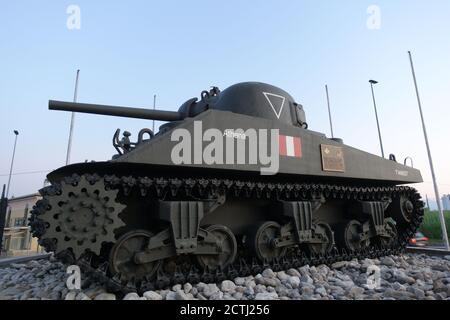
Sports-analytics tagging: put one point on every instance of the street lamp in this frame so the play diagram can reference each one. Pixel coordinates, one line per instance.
(12, 162)
(372, 82)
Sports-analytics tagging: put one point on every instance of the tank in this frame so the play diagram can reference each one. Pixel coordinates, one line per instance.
(234, 182)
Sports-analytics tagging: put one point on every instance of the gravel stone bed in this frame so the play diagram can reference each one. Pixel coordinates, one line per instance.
(405, 277)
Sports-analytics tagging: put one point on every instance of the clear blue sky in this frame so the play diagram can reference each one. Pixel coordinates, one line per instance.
(129, 50)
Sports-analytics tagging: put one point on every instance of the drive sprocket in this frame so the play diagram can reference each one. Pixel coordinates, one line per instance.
(82, 216)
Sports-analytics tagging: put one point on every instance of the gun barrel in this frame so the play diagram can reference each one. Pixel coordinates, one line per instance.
(138, 113)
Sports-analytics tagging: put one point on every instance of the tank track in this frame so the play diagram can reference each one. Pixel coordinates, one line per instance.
(203, 187)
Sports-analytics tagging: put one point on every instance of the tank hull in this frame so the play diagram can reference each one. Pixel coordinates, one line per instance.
(354, 165)
(232, 186)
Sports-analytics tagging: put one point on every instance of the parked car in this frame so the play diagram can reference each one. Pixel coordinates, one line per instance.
(419, 240)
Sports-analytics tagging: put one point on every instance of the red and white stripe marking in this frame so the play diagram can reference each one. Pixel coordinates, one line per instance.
(290, 146)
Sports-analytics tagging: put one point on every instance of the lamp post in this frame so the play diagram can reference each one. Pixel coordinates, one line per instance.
(3, 208)
(12, 163)
(372, 82)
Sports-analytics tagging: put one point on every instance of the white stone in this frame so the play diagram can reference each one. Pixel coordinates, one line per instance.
(210, 289)
(201, 286)
(420, 294)
(227, 286)
(71, 295)
(239, 281)
(294, 273)
(249, 291)
(187, 287)
(171, 296)
(266, 296)
(339, 264)
(260, 288)
(164, 293)
(294, 281)
(152, 295)
(388, 261)
(82, 296)
(306, 279)
(201, 297)
(93, 292)
(106, 296)
(356, 292)
(268, 273)
(216, 296)
(238, 295)
(131, 296)
(282, 275)
(321, 290)
(176, 287)
(181, 295)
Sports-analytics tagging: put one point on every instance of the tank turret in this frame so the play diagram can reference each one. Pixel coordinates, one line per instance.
(261, 100)
(254, 99)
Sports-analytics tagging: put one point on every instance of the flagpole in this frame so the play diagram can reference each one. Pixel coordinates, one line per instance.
(329, 111)
(154, 107)
(72, 120)
(430, 159)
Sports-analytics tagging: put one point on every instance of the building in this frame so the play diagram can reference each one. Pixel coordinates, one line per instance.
(17, 239)
(446, 202)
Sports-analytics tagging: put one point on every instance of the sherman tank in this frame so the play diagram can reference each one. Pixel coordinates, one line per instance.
(232, 183)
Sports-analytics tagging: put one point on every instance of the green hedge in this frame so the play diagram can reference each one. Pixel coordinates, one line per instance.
(431, 226)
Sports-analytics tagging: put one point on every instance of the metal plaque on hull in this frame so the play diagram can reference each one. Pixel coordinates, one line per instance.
(332, 158)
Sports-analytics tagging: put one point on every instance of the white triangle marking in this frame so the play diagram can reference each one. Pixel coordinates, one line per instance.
(267, 94)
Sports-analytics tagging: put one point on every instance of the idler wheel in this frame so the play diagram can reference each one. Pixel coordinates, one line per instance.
(401, 209)
(349, 236)
(227, 242)
(122, 255)
(261, 241)
(324, 233)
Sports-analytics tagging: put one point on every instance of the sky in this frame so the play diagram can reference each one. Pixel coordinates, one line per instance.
(128, 51)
